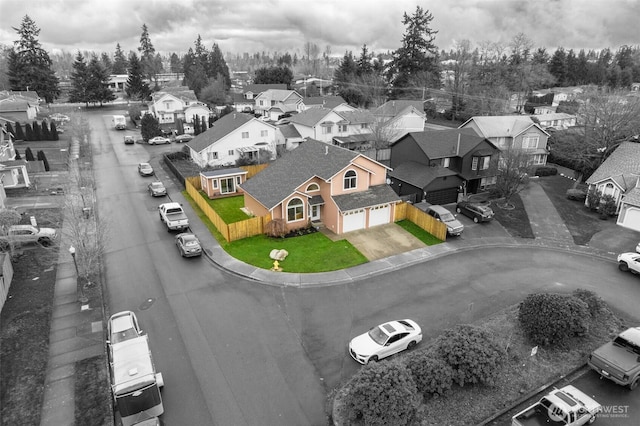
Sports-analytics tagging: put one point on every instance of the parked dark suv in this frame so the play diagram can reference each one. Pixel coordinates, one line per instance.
(477, 212)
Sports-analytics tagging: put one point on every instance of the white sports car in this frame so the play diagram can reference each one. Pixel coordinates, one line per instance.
(385, 340)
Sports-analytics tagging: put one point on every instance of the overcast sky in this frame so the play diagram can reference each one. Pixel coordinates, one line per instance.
(284, 25)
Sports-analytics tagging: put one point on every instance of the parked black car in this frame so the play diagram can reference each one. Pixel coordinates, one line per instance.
(477, 212)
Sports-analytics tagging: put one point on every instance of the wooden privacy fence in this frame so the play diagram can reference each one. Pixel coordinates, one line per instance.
(423, 220)
(232, 231)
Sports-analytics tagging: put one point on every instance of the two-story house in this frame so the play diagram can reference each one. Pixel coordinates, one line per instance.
(323, 184)
(437, 165)
(246, 100)
(555, 121)
(515, 132)
(345, 125)
(273, 103)
(399, 117)
(177, 103)
(232, 137)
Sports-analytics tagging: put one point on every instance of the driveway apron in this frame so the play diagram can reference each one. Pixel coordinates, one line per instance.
(381, 241)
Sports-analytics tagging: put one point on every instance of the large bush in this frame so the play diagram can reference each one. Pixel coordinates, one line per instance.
(432, 375)
(595, 304)
(552, 319)
(382, 394)
(473, 353)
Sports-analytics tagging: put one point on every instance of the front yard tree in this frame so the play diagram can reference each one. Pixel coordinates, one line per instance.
(513, 168)
(79, 81)
(29, 65)
(415, 63)
(136, 88)
(149, 127)
(98, 84)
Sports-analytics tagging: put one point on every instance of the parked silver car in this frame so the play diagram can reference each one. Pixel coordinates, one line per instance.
(454, 227)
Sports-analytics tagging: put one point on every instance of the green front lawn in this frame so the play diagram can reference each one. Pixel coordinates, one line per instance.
(418, 232)
(228, 208)
(307, 253)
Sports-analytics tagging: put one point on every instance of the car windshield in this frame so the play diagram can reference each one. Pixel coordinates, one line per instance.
(121, 336)
(157, 185)
(447, 217)
(378, 336)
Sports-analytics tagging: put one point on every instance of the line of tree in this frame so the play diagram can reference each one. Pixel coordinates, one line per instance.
(90, 82)
(43, 131)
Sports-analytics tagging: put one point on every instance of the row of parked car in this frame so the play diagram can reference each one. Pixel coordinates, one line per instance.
(478, 212)
(158, 140)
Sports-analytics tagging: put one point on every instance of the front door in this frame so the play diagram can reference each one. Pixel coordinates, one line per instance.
(314, 214)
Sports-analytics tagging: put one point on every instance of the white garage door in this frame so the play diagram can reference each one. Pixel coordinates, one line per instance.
(379, 215)
(631, 219)
(353, 220)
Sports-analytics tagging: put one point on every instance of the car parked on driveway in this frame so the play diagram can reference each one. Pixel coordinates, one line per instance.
(122, 326)
(188, 244)
(454, 227)
(145, 169)
(385, 340)
(477, 212)
(157, 189)
(159, 140)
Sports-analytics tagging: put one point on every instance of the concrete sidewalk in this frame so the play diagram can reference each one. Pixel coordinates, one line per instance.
(545, 221)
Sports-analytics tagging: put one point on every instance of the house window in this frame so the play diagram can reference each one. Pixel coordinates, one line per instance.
(484, 163)
(350, 180)
(215, 184)
(295, 210)
(446, 162)
(487, 182)
(261, 103)
(342, 128)
(230, 152)
(538, 159)
(167, 105)
(364, 126)
(227, 186)
(474, 163)
(313, 187)
(530, 142)
(245, 135)
(326, 130)
(212, 156)
(263, 133)
(238, 180)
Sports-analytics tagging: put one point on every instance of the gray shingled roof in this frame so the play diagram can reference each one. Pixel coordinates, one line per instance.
(395, 107)
(282, 177)
(418, 174)
(623, 165)
(357, 116)
(325, 101)
(309, 117)
(224, 172)
(444, 143)
(289, 131)
(374, 196)
(632, 197)
(503, 125)
(220, 129)
(259, 88)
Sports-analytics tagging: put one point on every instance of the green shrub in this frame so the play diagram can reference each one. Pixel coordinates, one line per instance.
(432, 375)
(593, 199)
(473, 353)
(546, 171)
(595, 304)
(607, 205)
(552, 319)
(382, 394)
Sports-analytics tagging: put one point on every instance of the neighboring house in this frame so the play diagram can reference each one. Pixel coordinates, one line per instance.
(618, 176)
(322, 184)
(173, 104)
(7, 150)
(288, 137)
(330, 102)
(324, 124)
(245, 101)
(437, 165)
(13, 174)
(513, 131)
(273, 102)
(399, 117)
(234, 136)
(222, 182)
(19, 106)
(544, 110)
(555, 121)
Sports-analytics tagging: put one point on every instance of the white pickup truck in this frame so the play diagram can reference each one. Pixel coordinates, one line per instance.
(567, 406)
(173, 216)
(24, 234)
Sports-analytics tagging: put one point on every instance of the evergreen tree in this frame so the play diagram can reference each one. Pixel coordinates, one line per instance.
(415, 63)
(79, 81)
(17, 157)
(46, 134)
(37, 134)
(136, 87)
(28, 155)
(54, 132)
(558, 65)
(29, 66)
(19, 133)
(196, 125)
(98, 84)
(274, 75)
(175, 64)
(203, 125)
(119, 61)
(195, 74)
(44, 160)
(364, 62)
(10, 129)
(28, 132)
(150, 66)
(149, 127)
(218, 66)
(106, 63)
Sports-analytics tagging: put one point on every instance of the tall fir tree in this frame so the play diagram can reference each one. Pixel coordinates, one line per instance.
(29, 65)
(106, 63)
(37, 134)
(119, 61)
(136, 88)
(46, 133)
(151, 66)
(98, 83)
(54, 132)
(79, 81)
(19, 132)
(28, 154)
(28, 132)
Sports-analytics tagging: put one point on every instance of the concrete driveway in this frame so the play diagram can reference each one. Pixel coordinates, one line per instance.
(380, 241)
